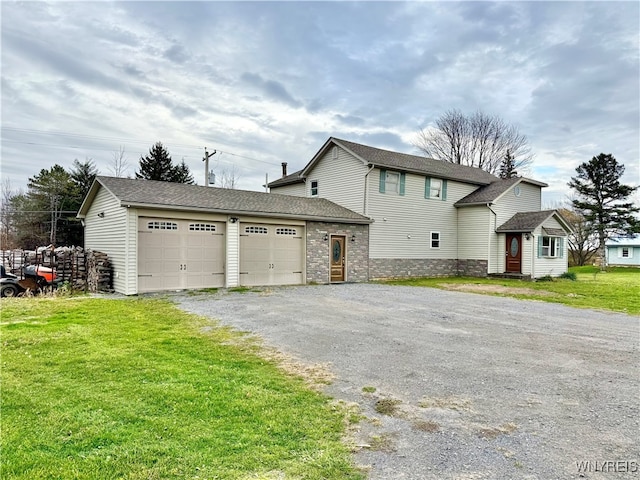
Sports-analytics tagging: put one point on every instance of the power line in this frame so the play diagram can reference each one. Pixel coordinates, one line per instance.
(98, 137)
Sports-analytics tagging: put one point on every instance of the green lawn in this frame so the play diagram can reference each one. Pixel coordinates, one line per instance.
(617, 289)
(103, 389)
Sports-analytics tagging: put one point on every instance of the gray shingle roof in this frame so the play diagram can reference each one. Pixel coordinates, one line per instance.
(490, 193)
(525, 221)
(288, 180)
(417, 164)
(178, 196)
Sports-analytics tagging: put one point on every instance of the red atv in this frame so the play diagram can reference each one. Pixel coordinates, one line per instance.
(36, 278)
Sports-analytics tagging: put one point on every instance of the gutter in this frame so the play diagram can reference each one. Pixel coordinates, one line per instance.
(359, 221)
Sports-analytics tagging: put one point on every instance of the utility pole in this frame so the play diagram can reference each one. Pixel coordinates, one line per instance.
(206, 165)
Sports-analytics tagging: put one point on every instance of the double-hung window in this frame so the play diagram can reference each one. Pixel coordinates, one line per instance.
(314, 188)
(550, 247)
(392, 182)
(435, 239)
(435, 188)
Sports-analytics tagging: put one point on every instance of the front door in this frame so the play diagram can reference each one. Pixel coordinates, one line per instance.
(337, 254)
(514, 253)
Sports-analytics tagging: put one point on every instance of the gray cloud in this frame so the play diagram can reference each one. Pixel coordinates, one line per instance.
(272, 89)
(198, 73)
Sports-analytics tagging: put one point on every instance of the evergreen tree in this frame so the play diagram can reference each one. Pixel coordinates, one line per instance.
(157, 165)
(603, 200)
(507, 167)
(53, 196)
(83, 174)
(182, 174)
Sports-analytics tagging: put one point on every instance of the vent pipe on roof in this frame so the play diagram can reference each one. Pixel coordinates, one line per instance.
(284, 169)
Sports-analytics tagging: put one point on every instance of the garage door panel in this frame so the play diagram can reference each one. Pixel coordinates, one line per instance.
(271, 254)
(176, 254)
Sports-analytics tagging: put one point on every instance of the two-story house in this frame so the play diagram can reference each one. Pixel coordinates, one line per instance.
(436, 218)
(353, 213)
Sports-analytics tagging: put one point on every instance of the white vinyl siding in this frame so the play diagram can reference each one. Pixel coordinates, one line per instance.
(295, 189)
(108, 234)
(402, 223)
(509, 204)
(340, 179)
(545, 265)
(473, 233)
(233, 259)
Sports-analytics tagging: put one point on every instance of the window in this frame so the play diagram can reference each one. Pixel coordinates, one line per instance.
(334, 153)
(162, 225)
(435, 239)
(314, 188)
(517, 191)
(285, 231)
(202, 227)
(435, 188)
(625, 252)
(392, 182)
(550, 247)
(258, 230)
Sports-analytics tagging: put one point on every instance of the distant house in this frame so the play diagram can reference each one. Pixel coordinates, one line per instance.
(435, 218)
(624, 251)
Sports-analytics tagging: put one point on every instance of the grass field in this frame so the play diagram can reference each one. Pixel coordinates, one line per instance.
(136, 389)
(617, 289)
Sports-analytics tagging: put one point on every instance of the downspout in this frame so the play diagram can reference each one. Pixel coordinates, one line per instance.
(495, 218)
(365, 207)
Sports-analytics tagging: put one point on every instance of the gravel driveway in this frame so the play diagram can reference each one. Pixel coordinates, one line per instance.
(473, 386)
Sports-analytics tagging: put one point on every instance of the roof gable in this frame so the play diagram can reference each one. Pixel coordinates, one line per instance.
(496, 189)
(179, 196)
(529, 221)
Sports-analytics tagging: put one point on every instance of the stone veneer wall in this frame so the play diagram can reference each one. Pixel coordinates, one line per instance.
(412, 267)
(473, 268)
(425, 267)
(318, 251)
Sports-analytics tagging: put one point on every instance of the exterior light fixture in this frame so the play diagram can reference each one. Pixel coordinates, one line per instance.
(353, 237)
(233, 219)
(527, 236)
(326, 237)
(101, 214)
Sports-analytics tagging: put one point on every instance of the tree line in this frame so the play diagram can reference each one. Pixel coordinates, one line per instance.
(46, 213)
(600, 209)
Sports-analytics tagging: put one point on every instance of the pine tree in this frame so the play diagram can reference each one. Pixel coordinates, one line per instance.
(507, 167)
(157, 165)
(603, 200)
(182, 174)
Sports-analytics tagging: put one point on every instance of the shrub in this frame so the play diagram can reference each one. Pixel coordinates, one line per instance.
(570, 276)
(546, 278)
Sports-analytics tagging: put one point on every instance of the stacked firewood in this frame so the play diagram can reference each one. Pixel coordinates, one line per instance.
(81, 269)
(98, 272)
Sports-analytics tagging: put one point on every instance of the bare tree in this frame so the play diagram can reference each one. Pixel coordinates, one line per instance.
(479, 140)
(228, 178)
(119, 163)
(7, 229)
(583, 241)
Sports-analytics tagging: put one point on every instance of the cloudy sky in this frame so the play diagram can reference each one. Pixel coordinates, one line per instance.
(268, 82)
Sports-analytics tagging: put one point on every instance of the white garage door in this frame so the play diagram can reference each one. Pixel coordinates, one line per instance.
(177, 254)
(271, 254)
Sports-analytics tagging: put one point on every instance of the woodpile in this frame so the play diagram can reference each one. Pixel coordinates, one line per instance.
(81, 269)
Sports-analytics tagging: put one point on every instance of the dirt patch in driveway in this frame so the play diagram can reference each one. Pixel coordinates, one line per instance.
(501, 289)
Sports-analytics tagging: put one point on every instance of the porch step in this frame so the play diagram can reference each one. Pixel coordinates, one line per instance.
(514, 276)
